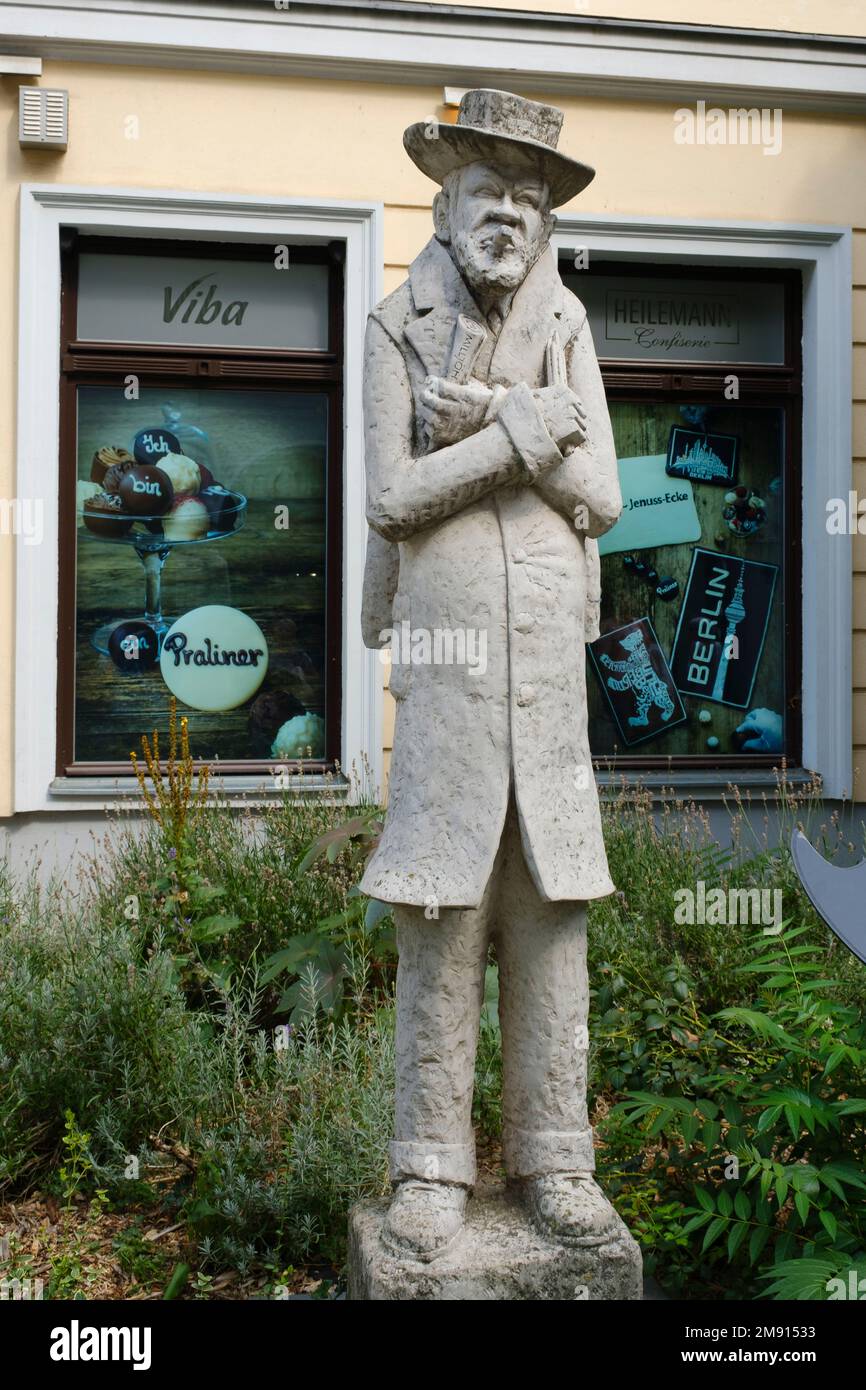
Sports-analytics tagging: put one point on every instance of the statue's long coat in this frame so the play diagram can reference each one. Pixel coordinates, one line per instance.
(480, 549)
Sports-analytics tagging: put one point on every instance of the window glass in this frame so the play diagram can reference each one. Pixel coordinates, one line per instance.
(203, 301)
(651, 319)
(691, 657)
(205, 576)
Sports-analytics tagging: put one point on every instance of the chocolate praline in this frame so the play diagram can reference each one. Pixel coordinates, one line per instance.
(268, 712)
(153, 443)
(221, 505)
(188, 520)
(133, 647)
(116, 474)
(146, 491)
(105, 458)
(272, 708)
(104, 516)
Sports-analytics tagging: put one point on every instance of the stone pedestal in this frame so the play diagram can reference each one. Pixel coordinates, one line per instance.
(499, 1256)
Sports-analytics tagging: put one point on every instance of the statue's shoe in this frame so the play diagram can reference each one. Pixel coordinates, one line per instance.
(570, 1207)
(424, 1219)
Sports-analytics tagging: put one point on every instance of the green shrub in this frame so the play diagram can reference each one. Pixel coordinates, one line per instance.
(100, 1053)
(235, 898)
(760, 1161)
(147, 1015)
(282, 1156)
(87, 1027)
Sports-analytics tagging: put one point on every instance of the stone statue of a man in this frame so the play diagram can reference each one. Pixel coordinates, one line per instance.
(490, 469)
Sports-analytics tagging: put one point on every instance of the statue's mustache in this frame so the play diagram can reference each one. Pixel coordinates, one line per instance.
(499, 236)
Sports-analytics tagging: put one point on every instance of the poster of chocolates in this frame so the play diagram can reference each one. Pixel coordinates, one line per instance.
(722, 627)
(170, 495)
(201, 572)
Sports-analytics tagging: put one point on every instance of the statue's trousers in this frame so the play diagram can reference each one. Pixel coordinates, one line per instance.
(541, 951)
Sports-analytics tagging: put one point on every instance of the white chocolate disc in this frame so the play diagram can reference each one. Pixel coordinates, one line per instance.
(214, 658)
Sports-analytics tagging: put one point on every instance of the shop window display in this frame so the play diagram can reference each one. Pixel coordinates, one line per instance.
(230, 517)
(200, 508)
(698, 658)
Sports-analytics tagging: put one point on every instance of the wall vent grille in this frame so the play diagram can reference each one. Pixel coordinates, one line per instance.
(43, 118)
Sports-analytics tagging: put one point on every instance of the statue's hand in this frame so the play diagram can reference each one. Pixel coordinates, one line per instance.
(563, 415)
(451, 411)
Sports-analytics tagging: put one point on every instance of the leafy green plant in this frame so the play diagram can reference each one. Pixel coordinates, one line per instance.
(138, 1256)
(177, 1283)
(162, 1046)
(487, 1096)
(318, 959)
(278, 1167)
(774, 1146)
(85, 1027)
(644, 1029)
(76, 1163)
(832, 1276)
(193, 925)
(18, 1278)
(68, 1274)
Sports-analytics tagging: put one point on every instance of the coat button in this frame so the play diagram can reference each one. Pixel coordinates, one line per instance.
(524, 622)
(525, 693)
(519, 556)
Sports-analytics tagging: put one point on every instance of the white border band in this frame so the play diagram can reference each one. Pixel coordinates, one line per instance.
(146, 212)
(569, 53)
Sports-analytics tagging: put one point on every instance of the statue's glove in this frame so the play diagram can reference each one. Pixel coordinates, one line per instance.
(450, 411)
(563, 414)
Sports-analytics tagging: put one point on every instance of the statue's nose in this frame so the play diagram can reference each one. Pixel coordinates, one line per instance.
(506, 211)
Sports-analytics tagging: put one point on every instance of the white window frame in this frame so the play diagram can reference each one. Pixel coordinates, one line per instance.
(45, 208)
(823, 253)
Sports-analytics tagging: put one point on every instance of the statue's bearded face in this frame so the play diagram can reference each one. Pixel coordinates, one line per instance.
(497, 221)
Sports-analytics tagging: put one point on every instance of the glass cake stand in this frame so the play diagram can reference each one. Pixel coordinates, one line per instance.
(153, 549)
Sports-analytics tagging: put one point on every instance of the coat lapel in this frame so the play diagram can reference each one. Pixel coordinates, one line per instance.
(535, 314)
(440, 294)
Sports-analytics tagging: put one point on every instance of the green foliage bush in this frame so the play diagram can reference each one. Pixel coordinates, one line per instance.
(714, 1049)
(86, 1026)
(730, 1051)
(234, 897)
(283, 1158)
(98, 1038)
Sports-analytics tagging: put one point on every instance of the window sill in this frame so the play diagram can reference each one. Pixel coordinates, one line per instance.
(236, 791)
(704, 784)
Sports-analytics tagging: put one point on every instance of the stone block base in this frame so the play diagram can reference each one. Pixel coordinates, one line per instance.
(499, 1255)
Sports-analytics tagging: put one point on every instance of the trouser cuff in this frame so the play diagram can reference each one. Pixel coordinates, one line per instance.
(532, 1153)
(415, 1158)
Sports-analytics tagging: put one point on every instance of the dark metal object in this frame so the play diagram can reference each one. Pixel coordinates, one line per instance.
(837, 894)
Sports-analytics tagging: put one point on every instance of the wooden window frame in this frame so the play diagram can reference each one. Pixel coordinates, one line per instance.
(774, 387)
(173, 367)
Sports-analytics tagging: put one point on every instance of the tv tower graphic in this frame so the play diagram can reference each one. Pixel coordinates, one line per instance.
(734, 615)
(704, 460)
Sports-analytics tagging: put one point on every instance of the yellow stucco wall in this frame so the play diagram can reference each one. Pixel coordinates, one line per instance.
(226, 132)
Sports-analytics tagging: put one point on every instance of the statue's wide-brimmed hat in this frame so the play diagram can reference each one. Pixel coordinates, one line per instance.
(499, 127)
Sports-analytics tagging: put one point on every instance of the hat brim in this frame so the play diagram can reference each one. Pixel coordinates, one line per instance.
(438, 148)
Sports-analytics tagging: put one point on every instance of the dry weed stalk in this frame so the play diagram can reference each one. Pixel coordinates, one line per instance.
(172, 802)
